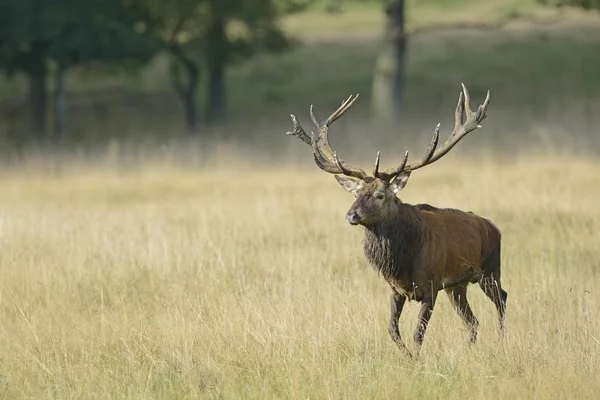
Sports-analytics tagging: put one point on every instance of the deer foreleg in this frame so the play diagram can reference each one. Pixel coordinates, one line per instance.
(396, 305)
(424, 315)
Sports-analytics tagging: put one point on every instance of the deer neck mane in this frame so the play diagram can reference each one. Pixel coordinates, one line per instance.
(392, 245)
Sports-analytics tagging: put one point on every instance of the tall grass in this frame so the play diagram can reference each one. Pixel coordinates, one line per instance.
(167, 283)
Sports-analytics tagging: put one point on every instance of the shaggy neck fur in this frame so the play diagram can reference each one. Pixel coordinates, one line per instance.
(392, 245)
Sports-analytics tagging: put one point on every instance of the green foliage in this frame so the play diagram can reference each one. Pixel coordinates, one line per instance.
(34, 33)
(585, 4)
(197, 34)
(69, 32)
(209, 35)
(183, 26)
(294, 6)
(100, 30)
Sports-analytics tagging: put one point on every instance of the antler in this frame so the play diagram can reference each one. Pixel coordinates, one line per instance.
(461, 129)
(325, 157)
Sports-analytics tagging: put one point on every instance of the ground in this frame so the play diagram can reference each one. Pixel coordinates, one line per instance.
(227, 270)
(168, 283)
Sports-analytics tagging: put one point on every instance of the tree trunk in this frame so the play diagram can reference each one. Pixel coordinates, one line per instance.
(186, 90)
(189, 104)
(59, 103)
(38, 97)
(216, 60)
(388, 79)
(400, 53)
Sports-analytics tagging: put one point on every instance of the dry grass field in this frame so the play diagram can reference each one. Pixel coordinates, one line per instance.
(168, 283)
(231, 281)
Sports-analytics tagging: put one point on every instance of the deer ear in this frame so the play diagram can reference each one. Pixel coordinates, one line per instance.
(400, 181)
(349, 185)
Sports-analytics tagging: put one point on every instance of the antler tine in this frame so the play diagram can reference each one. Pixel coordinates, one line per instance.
(468, 111)
(376, 167)
(312, 116)
(346, 104)
(458, 113)
(482, 109)
(298, 131)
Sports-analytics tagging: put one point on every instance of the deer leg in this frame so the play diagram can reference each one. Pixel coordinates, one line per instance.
(491, 286)
(396, 305)
(458, 297)
(424, 315)
(497, 295)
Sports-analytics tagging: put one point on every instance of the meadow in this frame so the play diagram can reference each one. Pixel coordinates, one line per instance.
(156, 267)
(173, 283)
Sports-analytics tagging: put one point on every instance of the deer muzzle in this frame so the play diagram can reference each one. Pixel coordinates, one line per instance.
(353, 217)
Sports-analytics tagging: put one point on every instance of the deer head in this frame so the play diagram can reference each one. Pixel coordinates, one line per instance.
(376, 195)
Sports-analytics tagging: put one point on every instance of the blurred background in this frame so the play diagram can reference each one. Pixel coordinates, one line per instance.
(196, 80)
(161, 234)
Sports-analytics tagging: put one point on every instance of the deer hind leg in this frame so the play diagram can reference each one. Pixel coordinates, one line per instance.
(458, 298)
(396, 305)
(492, 287)
(424, 315)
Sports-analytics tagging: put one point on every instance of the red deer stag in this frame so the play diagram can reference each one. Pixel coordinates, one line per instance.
(419, 249)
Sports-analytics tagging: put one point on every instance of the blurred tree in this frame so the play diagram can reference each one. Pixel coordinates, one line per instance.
(293, 6)
(25, 41)
(207, 36)
(35, 33)
(180, 26)
(236, 30)
(585, 4)
(388, 78)
(95, 31)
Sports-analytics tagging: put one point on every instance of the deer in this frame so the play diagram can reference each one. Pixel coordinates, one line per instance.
(419, 249)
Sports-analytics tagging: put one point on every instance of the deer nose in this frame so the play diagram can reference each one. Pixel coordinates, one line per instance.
(353, 217)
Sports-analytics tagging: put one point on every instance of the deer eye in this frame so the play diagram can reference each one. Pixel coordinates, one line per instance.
(380, 196)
